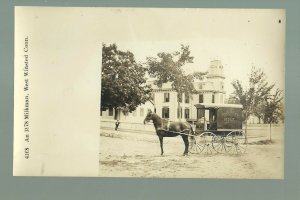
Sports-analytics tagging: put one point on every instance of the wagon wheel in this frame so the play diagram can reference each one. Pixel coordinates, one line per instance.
(237, 142)
(210, 140)
(195, 146)
(220, 144)
(203, 143)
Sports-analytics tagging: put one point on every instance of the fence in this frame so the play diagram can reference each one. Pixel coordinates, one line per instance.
(255, 132)
(128, 126)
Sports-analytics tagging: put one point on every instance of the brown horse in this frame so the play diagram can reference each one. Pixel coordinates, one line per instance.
(170, 129)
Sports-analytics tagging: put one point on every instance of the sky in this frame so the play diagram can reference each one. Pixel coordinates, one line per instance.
(65, 46)
(239, 38)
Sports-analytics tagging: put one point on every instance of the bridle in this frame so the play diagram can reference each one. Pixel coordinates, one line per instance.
(150, 116)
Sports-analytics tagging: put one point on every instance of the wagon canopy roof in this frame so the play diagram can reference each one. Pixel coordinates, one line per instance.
(216, 106)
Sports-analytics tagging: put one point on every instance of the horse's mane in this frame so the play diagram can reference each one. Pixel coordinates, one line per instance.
(156, 116)
(157, 119)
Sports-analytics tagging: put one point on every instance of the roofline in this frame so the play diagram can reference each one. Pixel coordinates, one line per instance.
(215, 76)
(215, 105)
(198, 91)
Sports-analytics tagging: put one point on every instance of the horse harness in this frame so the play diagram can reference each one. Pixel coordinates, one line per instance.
(173, 132)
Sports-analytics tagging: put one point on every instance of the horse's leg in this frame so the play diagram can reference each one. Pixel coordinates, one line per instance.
(161, 140)
(186, 144)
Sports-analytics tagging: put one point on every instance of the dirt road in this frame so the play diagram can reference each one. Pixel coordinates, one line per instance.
(124, 154)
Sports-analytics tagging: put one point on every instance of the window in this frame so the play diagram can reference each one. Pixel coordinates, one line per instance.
(166, 97)
(179, 112)
(213, 98)
(142, 112)
(110, 112)
(165, 112)
(180, 98)
(200, 98)
(200, 113)
(187, 98)
(187, 113)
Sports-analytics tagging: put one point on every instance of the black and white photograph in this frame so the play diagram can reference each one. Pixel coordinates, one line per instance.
(196, 93)
(149, 92)
(149, 99)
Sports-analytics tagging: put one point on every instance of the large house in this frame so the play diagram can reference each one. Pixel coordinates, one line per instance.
(165, 99)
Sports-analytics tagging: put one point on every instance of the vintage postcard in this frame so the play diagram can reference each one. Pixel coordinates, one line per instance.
(149, 92)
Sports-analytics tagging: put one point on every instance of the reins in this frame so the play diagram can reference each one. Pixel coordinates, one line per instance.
(155, 118)
(179, 133)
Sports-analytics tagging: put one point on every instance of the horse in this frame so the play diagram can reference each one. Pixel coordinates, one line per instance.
(170, 129)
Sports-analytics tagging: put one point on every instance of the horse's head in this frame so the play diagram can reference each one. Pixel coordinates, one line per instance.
(148, 117)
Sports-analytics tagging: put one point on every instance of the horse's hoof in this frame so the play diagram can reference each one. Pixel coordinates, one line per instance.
(185, 154)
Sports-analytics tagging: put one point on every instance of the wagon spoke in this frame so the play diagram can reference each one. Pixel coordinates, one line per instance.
(238, 141)
(208, 149)
(241, 148)
(196, 146)
(229, 143)
(218, 144)
(202, 143)
(217, 147)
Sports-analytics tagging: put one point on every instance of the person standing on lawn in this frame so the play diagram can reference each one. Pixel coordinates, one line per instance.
(117, 124)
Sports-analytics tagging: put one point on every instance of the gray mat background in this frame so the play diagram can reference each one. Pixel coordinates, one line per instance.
(31, 188)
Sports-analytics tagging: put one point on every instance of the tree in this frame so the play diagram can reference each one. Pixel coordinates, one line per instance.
(258, 111)
(168, 68)
(273, 109)
(241, 95)
(123, 82)
(251, 98)
(232, 100)
(260, 90)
